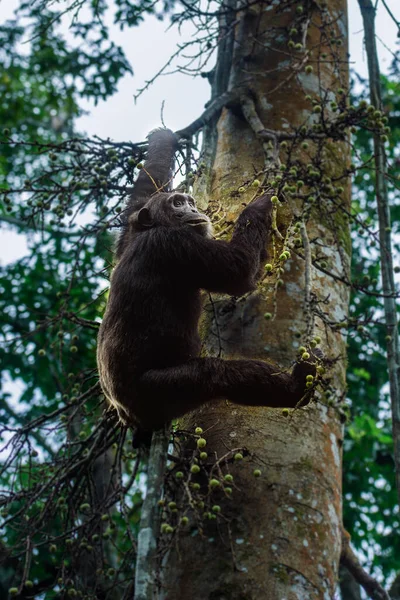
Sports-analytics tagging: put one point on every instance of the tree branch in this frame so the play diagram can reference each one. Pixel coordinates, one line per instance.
(386, 256)
(226, 99)
(391, 14)
(150, 518)
(34, 432)
(349, 560)
(31, 226)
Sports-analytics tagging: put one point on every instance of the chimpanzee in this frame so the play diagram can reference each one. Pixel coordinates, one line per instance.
(148, 346)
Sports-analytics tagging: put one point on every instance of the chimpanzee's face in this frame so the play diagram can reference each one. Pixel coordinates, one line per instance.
(172, 209)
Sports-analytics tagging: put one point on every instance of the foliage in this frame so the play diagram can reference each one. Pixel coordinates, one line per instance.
(61, 514)
(370, 507)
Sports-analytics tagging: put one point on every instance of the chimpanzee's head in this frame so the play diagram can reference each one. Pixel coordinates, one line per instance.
(171, 210)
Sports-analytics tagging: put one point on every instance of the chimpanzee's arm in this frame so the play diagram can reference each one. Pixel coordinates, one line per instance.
(226, 267)
(156, 175)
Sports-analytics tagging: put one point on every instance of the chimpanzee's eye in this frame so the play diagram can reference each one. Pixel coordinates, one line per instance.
(178, 202)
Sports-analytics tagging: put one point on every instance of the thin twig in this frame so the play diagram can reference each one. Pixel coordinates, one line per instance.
(308, 280)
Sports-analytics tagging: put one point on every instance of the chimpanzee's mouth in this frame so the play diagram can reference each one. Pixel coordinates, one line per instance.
(197, 221)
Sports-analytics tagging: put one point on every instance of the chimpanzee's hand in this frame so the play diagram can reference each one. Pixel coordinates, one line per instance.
(262, 203)
(259, 211)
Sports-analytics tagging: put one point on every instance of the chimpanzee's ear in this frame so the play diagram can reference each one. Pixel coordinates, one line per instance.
(142, 218)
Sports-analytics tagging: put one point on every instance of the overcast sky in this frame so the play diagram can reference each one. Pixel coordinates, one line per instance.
(185, 97)
(147, 48)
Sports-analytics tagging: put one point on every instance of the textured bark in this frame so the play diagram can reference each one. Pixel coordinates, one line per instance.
(150, 519)
(283, 541)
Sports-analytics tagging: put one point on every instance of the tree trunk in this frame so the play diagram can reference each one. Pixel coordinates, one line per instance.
(278, 535)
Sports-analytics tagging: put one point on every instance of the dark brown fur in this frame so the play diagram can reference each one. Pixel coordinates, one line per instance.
(148, 345)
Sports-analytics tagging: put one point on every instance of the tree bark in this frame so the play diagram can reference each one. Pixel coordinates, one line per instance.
(279, 534)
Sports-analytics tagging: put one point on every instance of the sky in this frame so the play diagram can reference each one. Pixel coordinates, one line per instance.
(185, 97)
(147, 48)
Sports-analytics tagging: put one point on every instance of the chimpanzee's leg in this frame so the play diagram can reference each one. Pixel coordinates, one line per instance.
(163, 394)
